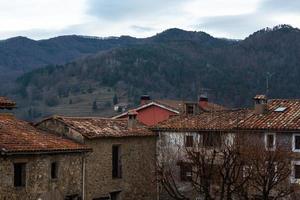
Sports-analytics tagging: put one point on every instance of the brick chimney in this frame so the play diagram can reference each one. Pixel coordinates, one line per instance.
(132, 119)
(260, 104)
(203, 101)
(144, 99)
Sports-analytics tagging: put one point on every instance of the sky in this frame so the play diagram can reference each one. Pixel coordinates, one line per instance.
(235, 19)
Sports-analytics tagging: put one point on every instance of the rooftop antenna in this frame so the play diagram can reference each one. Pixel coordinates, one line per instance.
(268, 78)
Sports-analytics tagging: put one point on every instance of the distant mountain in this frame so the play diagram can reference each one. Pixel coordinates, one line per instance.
(20, 54)
(173, 64)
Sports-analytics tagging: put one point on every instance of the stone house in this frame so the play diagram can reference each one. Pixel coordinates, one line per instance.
(271, 124)
(38, 165)
(276, 124)
(122, 164)
(205, 130)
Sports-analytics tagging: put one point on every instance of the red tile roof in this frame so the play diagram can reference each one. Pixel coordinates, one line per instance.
(96, 127)
(5, 103)
(206, 121)
(286, 119)
(18, 136)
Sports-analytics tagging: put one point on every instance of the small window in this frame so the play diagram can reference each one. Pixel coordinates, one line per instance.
(72, 197)
(297, 171)
(280, 109)
(19, 174)
(296, 142)
(185, 172)
(270, 141)
(54, 170)
(190, 109)
(116, 162)
(189, 141)
(115, 195)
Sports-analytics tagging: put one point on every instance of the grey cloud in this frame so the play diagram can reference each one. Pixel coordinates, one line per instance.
(122, 9)
(239, 26)
(280, 6)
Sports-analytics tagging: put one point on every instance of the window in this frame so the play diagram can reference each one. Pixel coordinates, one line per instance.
(189, 141)
(19, 174)
(72, 197)
(295, 177)
(211, 139)
(54, 170)
(116, 162)
(296, 142)
(190, 109)
(101, 198)
(185, 172)
(270, 141)
(280, 109)
(297, 171)
(115, 195)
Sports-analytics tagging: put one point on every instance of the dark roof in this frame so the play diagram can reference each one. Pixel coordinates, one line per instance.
(206, 121)
(5, 103)
(18, 137)
(97, 127)
(285, 118)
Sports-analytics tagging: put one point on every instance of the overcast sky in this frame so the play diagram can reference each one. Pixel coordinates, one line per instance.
(40, 19)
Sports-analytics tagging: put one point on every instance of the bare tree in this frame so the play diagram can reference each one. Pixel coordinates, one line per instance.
(240, 170)
(270, 171)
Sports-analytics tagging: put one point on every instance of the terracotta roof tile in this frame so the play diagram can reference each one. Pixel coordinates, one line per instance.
(5, 103)
(213, 121)
(179, 105)
(285, 118)
(18, 136)
(96, 127)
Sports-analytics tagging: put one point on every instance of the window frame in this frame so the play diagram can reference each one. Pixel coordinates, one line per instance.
(23, 178)
(293, 179)
(56, 170)
(183, 171)
(189, 142)
(116, 174)
(293, 142)
(266, 141)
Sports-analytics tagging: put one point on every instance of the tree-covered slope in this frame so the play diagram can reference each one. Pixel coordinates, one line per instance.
(174, 64)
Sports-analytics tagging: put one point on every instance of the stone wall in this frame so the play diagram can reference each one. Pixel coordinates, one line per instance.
(138, 168)
(138, 156)
(39, 184)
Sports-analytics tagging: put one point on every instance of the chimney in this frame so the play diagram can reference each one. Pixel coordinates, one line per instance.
(144, 99)
(260, 104)
(203, 100)
(132, 119)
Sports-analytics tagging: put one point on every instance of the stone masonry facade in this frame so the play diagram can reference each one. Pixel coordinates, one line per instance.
(39, 184)
(138, 156)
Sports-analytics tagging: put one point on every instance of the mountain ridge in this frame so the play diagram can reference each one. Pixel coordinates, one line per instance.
(173, 64)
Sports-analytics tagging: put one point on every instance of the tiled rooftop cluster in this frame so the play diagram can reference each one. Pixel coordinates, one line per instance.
(281, 114)
(96, 127)
(17, 136)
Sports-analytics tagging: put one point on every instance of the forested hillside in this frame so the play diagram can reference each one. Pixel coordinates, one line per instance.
(173, 64)
(20, 54)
